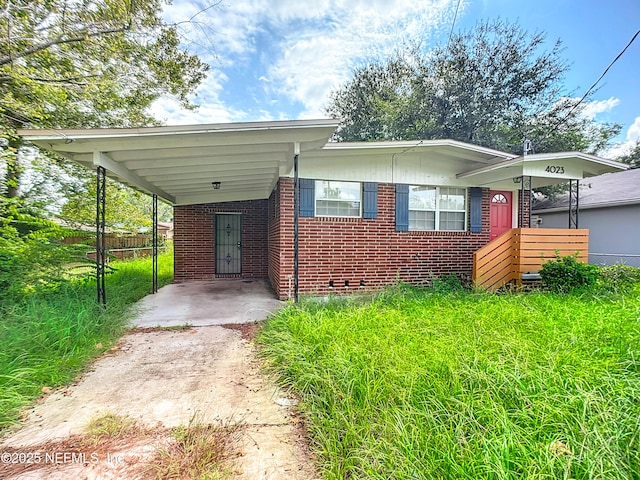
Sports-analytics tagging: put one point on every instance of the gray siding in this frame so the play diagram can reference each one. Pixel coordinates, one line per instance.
(613, 231)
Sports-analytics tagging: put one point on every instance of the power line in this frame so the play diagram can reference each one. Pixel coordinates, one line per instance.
(566, 117)
(454, 22)
(28, 121)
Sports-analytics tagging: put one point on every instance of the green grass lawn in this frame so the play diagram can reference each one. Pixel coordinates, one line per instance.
(48, 337)
(467, 385)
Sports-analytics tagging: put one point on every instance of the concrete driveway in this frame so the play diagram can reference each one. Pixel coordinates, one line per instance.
(206, 303)
(167, 378)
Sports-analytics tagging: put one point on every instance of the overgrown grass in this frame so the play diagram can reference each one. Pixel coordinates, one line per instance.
(48, 336)
(466, 385)
(199, 451)
(109, 425)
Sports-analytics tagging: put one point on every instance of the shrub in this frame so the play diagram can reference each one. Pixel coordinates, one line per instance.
(31, 254)
(565, 274)
(619, 277)
(447, 284)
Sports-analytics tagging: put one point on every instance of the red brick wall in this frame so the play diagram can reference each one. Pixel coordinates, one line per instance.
(274, 239)
(194, 242)
(526, 208)
(365, 250)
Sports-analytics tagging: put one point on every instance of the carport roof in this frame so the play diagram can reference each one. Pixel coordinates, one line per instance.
(179, 163)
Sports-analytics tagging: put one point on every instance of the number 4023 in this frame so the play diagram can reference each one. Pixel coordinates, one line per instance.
(554, 169)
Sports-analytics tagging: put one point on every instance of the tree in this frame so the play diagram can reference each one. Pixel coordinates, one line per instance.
(90, 63)
(493, 86)
(127, 209)
(31, 252)
(633, 157)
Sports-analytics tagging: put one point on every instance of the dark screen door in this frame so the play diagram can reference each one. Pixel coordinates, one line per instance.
(228, 244)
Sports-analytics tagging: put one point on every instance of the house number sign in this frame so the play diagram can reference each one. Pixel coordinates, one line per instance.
(551, 169)
(554, 169)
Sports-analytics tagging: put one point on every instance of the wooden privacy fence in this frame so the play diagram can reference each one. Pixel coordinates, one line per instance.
(125, 253)
(520, 251)
(113, 240)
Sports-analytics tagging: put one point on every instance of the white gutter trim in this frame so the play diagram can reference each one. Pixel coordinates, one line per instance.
(416, 144)
(97, 133)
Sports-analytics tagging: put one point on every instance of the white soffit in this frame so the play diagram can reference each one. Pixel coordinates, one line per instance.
(179, 163)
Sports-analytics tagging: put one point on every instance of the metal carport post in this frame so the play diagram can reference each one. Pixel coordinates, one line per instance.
(574, 203)
(154, 246)
(101, 250)
(296, 221)
(101, 200)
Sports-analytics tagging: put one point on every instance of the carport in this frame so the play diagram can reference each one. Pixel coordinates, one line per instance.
(187, 165)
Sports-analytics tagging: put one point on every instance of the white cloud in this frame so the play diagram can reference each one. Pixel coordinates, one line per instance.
(298, 50)
(314, 63)
(593, 108)
(211, 109)
(169, 111)
(633, 134)
(633, 137)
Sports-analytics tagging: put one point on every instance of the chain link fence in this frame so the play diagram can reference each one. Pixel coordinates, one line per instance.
(612, 258)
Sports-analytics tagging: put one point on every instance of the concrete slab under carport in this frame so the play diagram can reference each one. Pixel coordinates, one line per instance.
(204, 303)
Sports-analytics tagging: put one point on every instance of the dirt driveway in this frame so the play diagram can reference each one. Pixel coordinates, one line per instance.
(163, 378)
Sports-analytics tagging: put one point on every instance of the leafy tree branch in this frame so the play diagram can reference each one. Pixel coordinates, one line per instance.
(494, 85)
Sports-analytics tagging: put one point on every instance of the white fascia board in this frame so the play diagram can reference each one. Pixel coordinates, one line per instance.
(102, 160)
(65, 135)
(309, 134)
(404, 144)
(582, 156)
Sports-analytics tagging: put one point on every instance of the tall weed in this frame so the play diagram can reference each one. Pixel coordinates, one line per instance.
(417, 384)
(50, 335)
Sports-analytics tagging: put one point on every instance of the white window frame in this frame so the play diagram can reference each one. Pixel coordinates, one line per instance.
(438, 210)
(318, 189)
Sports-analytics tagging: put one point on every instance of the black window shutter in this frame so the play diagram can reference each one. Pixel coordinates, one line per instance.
(475, 209)
(307, 197)
(402, 207)
(370, 200)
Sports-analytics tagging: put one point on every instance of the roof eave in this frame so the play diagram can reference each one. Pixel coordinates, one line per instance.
(522, 159)
(63, 135)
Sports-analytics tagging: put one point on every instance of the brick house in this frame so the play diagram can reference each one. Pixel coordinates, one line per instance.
(369, 213)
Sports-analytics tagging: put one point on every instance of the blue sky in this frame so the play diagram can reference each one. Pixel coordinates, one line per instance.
(280, 59)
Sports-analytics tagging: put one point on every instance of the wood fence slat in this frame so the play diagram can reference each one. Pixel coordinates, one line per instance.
(525, 250)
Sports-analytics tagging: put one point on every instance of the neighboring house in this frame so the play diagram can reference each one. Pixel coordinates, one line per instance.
(369, 214)
(610, 209)
(165, 230)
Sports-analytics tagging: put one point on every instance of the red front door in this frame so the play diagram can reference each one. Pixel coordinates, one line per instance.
(501, 212)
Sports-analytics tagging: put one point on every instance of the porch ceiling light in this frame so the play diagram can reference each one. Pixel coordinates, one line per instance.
(215, 185)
